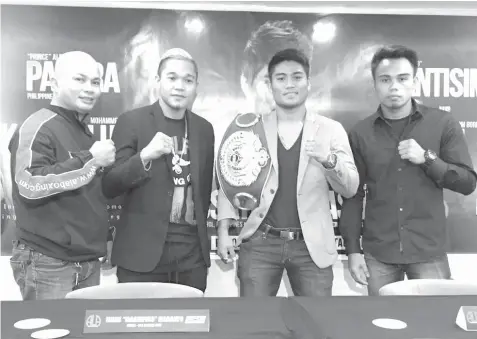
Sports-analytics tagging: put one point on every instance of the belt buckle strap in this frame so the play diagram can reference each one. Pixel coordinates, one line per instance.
(288, 235)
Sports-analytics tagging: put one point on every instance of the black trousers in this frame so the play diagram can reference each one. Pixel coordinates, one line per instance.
(196, 277)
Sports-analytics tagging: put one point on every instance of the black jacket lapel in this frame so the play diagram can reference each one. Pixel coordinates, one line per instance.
(195, 158)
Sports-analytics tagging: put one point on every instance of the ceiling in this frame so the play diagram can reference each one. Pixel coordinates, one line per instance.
(465, 8)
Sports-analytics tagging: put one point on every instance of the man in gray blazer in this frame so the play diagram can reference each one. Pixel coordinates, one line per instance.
(291, 228)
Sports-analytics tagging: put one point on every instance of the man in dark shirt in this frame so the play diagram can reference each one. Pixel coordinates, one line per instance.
(406, 154)
(164, 168)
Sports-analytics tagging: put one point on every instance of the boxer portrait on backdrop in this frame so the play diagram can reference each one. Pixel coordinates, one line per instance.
(406, 154)
(290, 227)
(164, 168)
(61, 217)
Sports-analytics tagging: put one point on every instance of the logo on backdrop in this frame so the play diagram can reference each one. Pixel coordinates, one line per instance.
(435, 82)
(40, 68)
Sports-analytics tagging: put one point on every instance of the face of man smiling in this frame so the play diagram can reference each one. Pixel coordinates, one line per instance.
(289, 84)
(77, 82)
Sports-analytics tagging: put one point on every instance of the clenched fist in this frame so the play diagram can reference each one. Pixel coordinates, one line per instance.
(410, 150)
(317, 150)
(159, 145)
(104, 152)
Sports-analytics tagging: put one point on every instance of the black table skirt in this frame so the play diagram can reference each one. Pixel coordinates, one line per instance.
(338, 317)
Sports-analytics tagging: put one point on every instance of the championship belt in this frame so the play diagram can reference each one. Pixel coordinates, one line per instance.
(243, 162)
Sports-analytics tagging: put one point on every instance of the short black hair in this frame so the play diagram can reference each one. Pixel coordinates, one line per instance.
(270, 38)
(163, 62)
(394, 52)
(289, 54)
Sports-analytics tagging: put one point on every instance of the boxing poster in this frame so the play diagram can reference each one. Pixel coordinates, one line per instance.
(232, 50)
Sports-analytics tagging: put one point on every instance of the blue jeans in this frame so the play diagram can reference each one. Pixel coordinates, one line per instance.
(382, 273)
(42, 277)
(262, 259)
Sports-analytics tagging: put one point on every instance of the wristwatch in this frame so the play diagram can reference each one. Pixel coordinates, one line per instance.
(331, 161)
(429, 157)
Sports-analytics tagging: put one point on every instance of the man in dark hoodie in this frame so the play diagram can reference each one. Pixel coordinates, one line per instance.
(62, 221)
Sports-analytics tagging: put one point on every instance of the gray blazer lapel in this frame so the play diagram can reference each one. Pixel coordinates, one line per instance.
(309, 131)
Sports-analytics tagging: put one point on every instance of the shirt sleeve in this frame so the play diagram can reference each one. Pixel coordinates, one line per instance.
(350, 223)
(343, 178)
(128, 170)
(453, 169)
(38, 173)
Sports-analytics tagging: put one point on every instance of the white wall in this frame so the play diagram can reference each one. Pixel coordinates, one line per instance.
(222, 281)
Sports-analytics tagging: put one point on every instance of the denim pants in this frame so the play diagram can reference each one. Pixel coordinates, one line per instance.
(381, 274)
(42, 277)
(263, 258)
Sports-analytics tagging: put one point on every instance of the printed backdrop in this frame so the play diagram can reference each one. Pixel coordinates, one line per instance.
(231, 49)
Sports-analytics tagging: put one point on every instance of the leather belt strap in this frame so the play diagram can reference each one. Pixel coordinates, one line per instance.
(287, 234)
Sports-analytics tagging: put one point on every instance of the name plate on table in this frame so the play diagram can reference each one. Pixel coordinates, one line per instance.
(467, 318)
(120, 321)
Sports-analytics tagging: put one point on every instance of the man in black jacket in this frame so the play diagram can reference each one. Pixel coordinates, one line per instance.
(62, 222)
(164, 169)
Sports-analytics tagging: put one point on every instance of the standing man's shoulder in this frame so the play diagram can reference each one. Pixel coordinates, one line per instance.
(364, 126)
(332, 127)
(328, 123)
(435, 113)
(441, 120)
(41, 121)
(333, 124)
(202, 123)
(40, 117)
(425, 109)
(32, 126)
(136, 114)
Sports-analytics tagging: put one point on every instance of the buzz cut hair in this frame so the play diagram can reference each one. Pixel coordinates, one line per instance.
(163, 62)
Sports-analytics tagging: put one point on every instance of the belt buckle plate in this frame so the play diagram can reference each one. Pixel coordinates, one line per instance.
(288, 235)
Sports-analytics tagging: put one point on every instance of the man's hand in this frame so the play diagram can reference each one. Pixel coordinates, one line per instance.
(412, 151)
(225, 247)
(106, 262)
(317, 150)
(159, 145)
(357, 268)
(104, 152)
